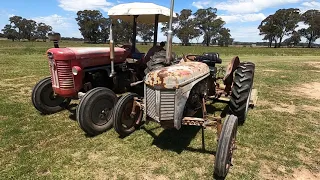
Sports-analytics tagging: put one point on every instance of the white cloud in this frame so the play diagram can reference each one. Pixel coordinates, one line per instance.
(243, 18)
(65, 25)
(76, 5)
(311, 5)
(245, 34)
(201, 4)
(243, 6)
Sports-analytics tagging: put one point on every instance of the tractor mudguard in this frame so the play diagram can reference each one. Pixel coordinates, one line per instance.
(228, 78)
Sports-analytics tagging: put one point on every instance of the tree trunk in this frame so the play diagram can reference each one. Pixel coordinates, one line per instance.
(275, 43)
(309, 44)
(279, 44)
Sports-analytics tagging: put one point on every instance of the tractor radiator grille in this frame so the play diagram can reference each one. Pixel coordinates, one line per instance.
(64, 74)
(167, 104)
(151, 103)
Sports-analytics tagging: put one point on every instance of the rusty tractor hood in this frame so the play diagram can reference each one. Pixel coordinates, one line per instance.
(176, 76)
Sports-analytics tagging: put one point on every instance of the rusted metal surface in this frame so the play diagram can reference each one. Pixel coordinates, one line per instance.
(219, 127)
(178, 75)
(228, 79)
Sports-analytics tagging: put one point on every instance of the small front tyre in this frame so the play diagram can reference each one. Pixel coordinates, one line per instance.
(94, 112)
(126, 122)
(226, 147)
(45, 100)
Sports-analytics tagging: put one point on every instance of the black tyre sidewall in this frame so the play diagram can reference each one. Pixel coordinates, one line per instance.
(85, 106)
(118, 110)
(230, 125)
(37, 101)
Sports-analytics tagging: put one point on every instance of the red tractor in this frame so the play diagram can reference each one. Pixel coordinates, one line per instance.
(96, 74)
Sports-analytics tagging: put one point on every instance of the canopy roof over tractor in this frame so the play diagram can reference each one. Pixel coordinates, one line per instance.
(144, 12)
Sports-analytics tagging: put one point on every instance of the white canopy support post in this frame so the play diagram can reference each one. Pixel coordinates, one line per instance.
(111, 51)
(169, 38)
(155, 35)
(134, 35)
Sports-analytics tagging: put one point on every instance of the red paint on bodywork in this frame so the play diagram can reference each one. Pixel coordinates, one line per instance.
(83, 57)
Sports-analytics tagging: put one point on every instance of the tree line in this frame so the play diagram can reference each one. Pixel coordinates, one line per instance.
(22, 28)
(186, 26)
(284, 22)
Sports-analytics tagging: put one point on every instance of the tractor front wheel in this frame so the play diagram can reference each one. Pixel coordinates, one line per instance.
(94, 112)
(241, 91)
(126, 118)
(226, 146)
(45, 100)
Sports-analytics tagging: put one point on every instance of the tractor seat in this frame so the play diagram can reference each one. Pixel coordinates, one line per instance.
(209, 58)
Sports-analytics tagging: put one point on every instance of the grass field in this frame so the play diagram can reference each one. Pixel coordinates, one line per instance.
(280, 139)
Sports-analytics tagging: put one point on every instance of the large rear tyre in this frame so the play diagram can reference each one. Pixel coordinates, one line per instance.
(241, 91)
(94, 112)
(226, 147)
(45, 100)
(125, 122)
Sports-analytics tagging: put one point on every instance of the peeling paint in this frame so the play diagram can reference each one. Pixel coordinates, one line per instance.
(178, 75)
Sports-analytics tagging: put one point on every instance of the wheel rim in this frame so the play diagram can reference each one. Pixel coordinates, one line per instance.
(49, 98)
(248, 101)
(101, 111)
(230, 151)
(127, 121)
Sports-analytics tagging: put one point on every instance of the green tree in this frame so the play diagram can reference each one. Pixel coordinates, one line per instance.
(269, 29)
(89, 22)
(29, 29)
(293, 40)
(122, 31)
(208, 23)
(105, 29)
(145, 31)
(16, 23)
(224, 37)
(280, 24)
(42, 31)
(184, 27)
(312, 19)
(9, 32)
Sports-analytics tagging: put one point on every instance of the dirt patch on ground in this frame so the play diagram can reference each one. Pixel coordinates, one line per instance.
(285, 108)
(308, 90)
(314, 64)
(270, 70)
(311, 108)
(315, 71)
(303, 174)
(2, 118)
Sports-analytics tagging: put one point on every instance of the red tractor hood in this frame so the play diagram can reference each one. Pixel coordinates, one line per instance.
(81, 53)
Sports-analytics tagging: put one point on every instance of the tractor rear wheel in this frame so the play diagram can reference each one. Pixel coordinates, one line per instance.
(241, 91)
(45, 100)
(94, 112)
(226, 146)
(126, 123)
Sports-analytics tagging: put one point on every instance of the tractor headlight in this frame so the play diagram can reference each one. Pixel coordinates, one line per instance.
(76, 70)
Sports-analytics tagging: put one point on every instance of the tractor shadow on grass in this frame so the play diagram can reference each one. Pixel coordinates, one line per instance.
(72, 108)
(179, 140)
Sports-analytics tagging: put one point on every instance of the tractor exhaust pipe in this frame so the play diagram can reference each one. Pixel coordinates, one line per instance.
(55, 37)
(111, 52)
(169, 38)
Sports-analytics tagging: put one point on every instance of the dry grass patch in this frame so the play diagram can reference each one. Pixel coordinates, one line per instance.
(308, 90)
(303, 174)
(314, 64)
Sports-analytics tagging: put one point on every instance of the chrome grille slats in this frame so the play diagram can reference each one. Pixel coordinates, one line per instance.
(64, 74)
(167, 105)
(151, 103)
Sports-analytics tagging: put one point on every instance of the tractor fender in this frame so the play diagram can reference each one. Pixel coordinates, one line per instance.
(228, 78)
(182, 95)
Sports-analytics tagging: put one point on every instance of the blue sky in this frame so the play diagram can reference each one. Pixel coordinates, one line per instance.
(242, 16)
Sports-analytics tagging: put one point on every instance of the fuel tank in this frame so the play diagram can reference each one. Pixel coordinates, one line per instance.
(175, 76)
